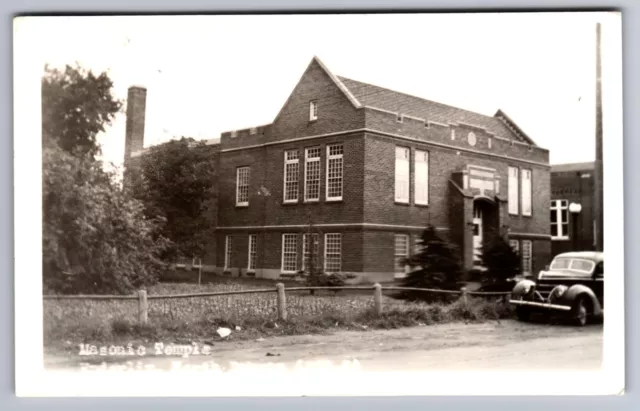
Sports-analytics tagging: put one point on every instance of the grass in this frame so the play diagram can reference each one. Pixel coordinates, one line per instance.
(249, 316)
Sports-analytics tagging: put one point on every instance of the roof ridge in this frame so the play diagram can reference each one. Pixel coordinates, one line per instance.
(418, 97)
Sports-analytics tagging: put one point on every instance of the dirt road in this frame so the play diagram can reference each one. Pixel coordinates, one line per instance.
(505, 345)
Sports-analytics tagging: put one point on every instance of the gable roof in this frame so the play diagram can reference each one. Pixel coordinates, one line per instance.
(373, 96)
(333, 78)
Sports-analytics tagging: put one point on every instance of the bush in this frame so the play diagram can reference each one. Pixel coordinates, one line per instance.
(502, 263)
(439, 267)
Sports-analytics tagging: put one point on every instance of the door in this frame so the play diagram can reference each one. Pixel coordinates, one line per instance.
(477, 235)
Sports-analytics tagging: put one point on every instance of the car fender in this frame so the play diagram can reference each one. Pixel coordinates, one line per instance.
(521, 287)
(578, 290)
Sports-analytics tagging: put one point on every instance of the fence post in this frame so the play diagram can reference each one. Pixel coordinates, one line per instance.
(377, 298)
(143, 307)
(507, 297)
(463, 290)
(282, 302)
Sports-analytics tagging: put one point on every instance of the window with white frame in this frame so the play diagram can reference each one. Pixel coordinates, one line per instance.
(228, 244)
(291, 173)
(312, 174)
(421, 177)
(310, 250)
(526, 257)
(242, 186)
(513, 190)
(559, 219)
(335, 154)
(401, 253)
(526, 192)
(515, 245)
(402, 174)
(253, 252)
(417, 244)
(289, 253)
(332, 252)
(313, 110)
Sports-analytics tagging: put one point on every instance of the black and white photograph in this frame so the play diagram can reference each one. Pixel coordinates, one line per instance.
(319, 204)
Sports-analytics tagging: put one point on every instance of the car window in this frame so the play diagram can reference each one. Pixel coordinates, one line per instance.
(581, 265)
(560, 264)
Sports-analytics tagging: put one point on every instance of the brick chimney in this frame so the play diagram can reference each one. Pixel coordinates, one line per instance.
(136, 107)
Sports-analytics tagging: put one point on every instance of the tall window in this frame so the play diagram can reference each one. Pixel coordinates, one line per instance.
(402, 174)
(253, 252)
(313, 110)
(335, 154)
(515, 245)
(401, 252)
(310, 248)
(242, 186)
(513, 190)
(421, 179)
(291, 172)
(417, 244)
(312, 174)
(227, 252)
(332, 252)
(559, 219)
(289, 253)
(526, 192)
(526, 257)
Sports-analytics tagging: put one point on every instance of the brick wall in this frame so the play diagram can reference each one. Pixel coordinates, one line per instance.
(576, 186)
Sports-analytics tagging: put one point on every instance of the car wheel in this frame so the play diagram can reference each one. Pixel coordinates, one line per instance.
(523, 313)
(580, 312)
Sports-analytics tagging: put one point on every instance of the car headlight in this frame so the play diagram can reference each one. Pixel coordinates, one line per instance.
(558, 292)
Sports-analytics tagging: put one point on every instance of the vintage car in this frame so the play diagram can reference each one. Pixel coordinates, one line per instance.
(571, 286)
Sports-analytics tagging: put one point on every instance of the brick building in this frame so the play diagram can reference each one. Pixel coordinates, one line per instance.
(365, 169)
(573, 183)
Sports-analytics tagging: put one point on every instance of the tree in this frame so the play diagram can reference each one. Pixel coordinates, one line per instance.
(95, 238)
(175, 181)
(76, 106)
(438, 267)
(501, 261)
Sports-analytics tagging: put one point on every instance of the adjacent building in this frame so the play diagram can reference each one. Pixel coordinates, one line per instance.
(352, 173)
(573, 184)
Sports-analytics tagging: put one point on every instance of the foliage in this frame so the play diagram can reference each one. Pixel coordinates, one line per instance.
(502, 264)
(95, 238)
(438, 266)
(175, 181)
(76, 106)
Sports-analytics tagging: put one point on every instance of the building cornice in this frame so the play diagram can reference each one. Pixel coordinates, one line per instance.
(372, 226)
(387, 134)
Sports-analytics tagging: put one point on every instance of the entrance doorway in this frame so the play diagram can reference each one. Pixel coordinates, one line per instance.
(478, 230)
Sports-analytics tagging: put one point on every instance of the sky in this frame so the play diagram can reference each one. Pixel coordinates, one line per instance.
(209, 74)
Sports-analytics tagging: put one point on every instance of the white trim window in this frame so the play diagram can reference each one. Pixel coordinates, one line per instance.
(514, 207)
(559, 219)
(252, 252)
(242, 186)
(291, 175)
(335, 160)
(526, 192)
(312, 174)
(313, 110)
(515, 245)
(332, 252)
(310, 247)
(401, 252)
(527, 250)
(421, 177)
(402, 174)
(289, 253)
(228, 247)
(417, 244)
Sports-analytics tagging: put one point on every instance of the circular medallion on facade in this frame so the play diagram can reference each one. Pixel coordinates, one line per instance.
(472, 139)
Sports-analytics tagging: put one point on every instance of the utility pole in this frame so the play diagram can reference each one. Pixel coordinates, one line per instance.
(598, 172)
